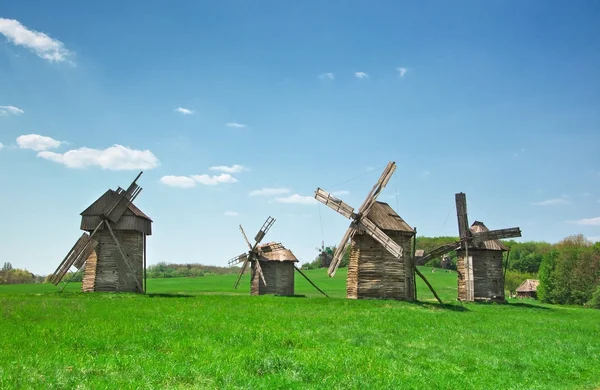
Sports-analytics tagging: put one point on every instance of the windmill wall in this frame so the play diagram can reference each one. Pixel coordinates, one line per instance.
(488, 276)
(105, 270)
(279, 276)
(375, 273)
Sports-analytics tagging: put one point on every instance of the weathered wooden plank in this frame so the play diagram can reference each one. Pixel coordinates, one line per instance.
(380, 236)
(127, 270)
(377, 188)
(340, 251)
(461, 214)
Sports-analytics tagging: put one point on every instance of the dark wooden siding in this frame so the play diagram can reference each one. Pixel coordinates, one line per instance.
(488, 277)
(127, 222)
(374, 273)
(279, 276)
(107, 275)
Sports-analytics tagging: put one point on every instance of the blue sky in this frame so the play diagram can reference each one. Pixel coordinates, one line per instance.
(496, 99)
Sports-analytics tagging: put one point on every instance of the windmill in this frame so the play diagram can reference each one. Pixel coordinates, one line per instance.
(253, 254)
(272, 265)
(381, 264)
(116, 225)
(325, 255)
(480, 275)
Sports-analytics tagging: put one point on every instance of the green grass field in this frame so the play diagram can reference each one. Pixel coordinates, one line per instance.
(202, 334)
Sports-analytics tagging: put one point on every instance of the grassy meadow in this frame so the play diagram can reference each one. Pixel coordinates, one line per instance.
(200, 333)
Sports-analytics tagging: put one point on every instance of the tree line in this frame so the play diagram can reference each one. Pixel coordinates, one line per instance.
(10, 275)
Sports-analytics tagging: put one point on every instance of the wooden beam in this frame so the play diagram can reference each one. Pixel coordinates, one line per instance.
(461, 215)
(260, 273)
(237, 282)
(341, 250)
(334, 203)
(310, 281)
(125, 258)
(380, 236)
(428, 285)
(245, 238)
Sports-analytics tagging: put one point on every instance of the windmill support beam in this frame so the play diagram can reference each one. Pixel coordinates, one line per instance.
(125, 258)
(310, 281)
(428, 285)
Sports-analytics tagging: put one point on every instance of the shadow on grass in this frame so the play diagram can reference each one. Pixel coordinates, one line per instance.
(530, 306)
(445, 306)
(162, 295)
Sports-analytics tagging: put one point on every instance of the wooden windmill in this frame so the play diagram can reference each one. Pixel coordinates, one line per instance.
(112, 250)
(381, 264)
(272, 265)
(479, 252)
(325, 255)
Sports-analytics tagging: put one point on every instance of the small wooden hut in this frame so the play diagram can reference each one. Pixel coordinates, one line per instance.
(480, 275)
(105, 269)
(278, 270)
(528, 289)
(373, 272)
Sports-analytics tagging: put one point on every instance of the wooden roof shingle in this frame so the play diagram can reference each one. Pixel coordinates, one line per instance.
(386, 218)
(528, 285)
(96, 208)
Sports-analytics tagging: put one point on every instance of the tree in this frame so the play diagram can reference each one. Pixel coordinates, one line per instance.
(7, 267)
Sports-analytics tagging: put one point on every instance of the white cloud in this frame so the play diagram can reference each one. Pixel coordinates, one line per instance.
(297, 199)
(37, 142)
(184, 111)
(361, 75)
(586, 194)
(551, 202)
(370, 169)
(425, 173)
(594, 239)
(402, 71)
(340, 193)
(5, 110)
(178, 181)
(231, 213)
(115, 158)
(214, 180)
(587, 221)
(40, 43)
(328, 76)
(269, 192)
(1, 146)
(232, 169)
(236, 125)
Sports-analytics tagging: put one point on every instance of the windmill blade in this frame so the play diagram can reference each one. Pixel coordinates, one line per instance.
(113, 211)
(340, 250)
(380, 236)
(70, 258)
(245, 238)
(263, 230)
(260, 272)
(238, 259)
(239, 278)
(334, 203)
(377, 188)
(461, 215)
(440, 251)
(496, 234)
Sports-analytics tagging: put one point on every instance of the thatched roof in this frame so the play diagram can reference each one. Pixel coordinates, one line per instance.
(492, 245)
(528, 286)
(280, 254)
(386, 218)
(96, 208)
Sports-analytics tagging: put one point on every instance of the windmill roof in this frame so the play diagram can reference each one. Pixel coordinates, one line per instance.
(528, 285)
(280, 254)
(109, 196)
(419, 253)
(494, 245)
(386, 218)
